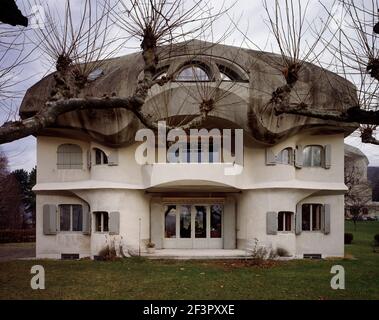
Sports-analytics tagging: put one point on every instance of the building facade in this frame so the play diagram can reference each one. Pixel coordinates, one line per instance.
(289, 193)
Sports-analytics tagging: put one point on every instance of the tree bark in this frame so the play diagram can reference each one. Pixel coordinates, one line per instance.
(351, 115)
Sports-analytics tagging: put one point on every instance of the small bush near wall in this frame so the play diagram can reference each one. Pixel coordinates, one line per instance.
(349, 238)
(9, 236)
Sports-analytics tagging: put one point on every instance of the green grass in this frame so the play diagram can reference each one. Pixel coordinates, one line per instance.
(148, 279)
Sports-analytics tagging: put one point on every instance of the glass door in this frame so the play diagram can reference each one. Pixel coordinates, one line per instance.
(193, 226)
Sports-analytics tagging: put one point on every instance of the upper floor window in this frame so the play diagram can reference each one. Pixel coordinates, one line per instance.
(100, 157)
(70, 156)
(312, 156)
(194, 72)
(227, 74)
(311, 217)
(71, 217)
(285, 156)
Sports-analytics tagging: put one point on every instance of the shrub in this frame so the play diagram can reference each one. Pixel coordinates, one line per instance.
(349, 238)
(107, 254)
(376, 237)
(281, 252)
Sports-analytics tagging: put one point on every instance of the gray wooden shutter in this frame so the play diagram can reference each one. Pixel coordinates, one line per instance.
(292, 157)
(113, 158)
(272, 223)
(327, 156)
(89, 160)
(49, 219)
(299, 157)
(86, 220)
(270, 158)
(298, 219)
(114, 223)
(326, 218)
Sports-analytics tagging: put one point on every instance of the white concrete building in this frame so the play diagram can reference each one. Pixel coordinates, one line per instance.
(289, 195)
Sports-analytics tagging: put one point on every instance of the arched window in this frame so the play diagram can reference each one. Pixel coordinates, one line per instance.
(312, 156)
(285, 156)
(228, 74)
(161, 72)
(193, 72)
(70, 156)
(100, 157)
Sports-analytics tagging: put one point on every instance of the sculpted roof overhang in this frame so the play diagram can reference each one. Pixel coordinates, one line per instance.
(242, 101)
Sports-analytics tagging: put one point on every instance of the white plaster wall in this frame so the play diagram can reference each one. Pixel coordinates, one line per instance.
(134, 208)
(47, 161)
(52, 246)
(253, 206)
(256, 174)
(332, 244)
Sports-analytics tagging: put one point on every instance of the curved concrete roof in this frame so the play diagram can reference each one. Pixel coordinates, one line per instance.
(354, 153)
(242, 102)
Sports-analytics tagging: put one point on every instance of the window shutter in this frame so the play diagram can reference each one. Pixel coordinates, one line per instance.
(327, 156)
(299, 157)
(49, 219)
(298, 218)
(89, 160)
(326, 218)
(113, 159)
(86, 220)
(114, 223)
(272, 223)
(291, 157)
(270, 158)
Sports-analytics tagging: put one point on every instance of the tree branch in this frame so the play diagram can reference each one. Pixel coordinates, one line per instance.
(11, 131)
(351, 115)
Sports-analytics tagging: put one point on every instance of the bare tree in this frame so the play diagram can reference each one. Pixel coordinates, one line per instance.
(78, 50)
(359, 193)
(10, 198)
(353, 47)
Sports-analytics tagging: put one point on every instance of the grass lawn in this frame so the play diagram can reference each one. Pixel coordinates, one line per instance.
(151, 279)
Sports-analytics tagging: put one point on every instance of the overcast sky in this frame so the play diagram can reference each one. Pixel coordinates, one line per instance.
(251, 19)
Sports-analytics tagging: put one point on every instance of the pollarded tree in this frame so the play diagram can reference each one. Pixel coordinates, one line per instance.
(77, 49)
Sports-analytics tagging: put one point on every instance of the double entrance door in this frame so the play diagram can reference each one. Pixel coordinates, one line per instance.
(193, 226)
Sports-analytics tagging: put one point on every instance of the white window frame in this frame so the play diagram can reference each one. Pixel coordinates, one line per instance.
(312, 164)
(284, 222)
(311, 216)
(102, 155)
(69, 166)
(290, 156)
(102, 213)
(71, 218)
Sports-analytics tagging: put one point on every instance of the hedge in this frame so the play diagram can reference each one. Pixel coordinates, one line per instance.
(9, 236)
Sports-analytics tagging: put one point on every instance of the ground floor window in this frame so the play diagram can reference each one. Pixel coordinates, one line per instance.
(170, 222)
(70, 217)
(193, 221)
(101, 221)
(216, 221)
(311, 217)
(285, 221)
(185, 222)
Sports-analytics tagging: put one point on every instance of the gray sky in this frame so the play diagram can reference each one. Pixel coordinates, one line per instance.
(251, 19)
